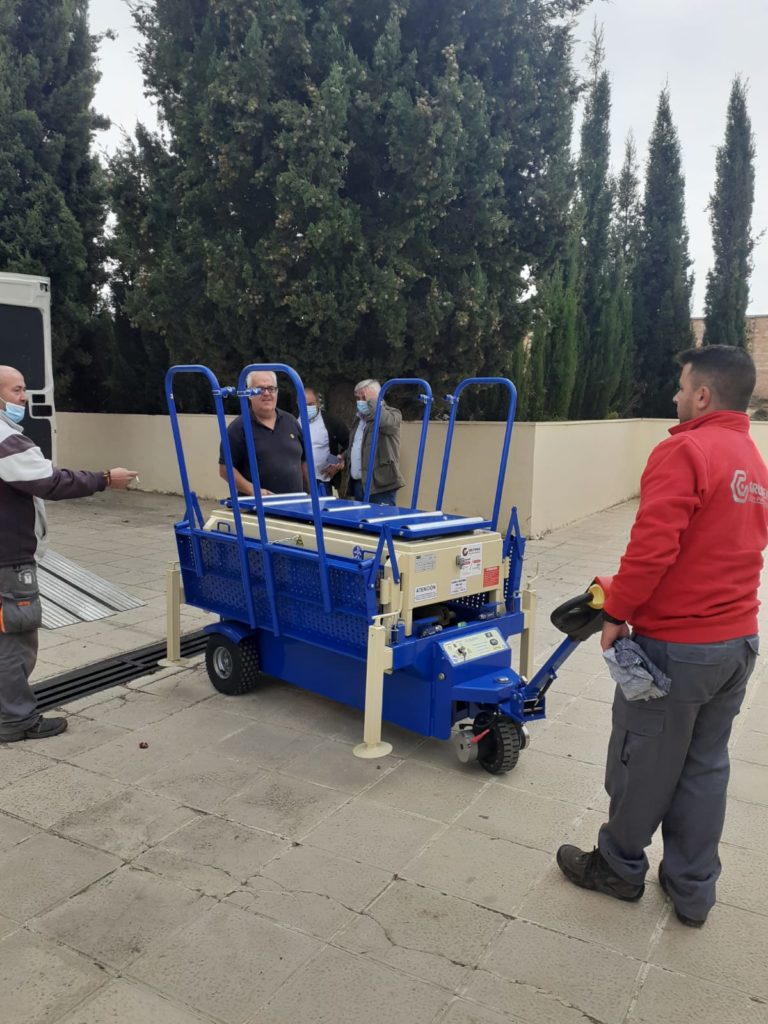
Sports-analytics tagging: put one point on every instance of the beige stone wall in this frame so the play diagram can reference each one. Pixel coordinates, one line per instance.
(757, 327)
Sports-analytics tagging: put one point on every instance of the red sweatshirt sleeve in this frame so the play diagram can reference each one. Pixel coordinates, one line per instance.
(672, 489)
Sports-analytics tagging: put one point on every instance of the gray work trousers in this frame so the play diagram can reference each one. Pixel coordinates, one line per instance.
(668, 765)
(18, 647)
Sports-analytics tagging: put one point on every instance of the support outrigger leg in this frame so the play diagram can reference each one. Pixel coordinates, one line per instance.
(373, 745)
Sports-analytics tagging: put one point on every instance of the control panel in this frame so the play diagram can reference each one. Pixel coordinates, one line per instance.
(474, 646)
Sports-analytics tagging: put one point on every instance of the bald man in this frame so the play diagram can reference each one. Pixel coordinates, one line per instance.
(26, 478)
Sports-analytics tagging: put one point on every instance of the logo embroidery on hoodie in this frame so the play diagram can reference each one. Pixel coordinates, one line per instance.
(744, 490)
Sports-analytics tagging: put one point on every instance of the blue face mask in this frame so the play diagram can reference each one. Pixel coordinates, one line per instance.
(14, 412)
(312, 412)
(362, 406)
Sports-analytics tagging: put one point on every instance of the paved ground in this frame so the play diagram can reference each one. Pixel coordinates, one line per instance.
(245, 867)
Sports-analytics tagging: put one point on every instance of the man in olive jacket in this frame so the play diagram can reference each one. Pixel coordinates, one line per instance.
(387, 479)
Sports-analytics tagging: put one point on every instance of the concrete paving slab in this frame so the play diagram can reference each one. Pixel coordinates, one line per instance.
(748, 782)
(125, 1002)
(14, 831)
(424, 933)
(380, 836)
(311, 890)
(628, 928)
(337, 988)
(82, 734)
(491, 872)
(751, 746)
(265, 744)
(40, 980)
(212, 856)
(746, 825)
(47, 796)
(203, 780)
(45, 870)
(555, 777)
(520, 817)
(550, 968)
(167, 742)
(126, 824)
(116, 920)
(133, 709)
(421, 789)
(278, 803)
(730, 951)
(680, 999)
(227, 963)
(588, 746)
(464, 1012)
(331, 763)
(17, 760)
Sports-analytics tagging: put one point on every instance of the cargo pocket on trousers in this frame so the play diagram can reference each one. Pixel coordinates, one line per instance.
(635, 725)
(20, 614)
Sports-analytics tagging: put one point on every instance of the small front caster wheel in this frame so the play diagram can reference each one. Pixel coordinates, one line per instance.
(498, 742)
(232, 668)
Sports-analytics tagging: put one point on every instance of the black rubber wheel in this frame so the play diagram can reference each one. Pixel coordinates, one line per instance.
(498, 751)
(232, 668)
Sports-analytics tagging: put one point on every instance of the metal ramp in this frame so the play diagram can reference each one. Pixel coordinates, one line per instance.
(71, 594)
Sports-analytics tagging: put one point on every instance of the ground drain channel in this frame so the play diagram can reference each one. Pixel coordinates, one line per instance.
(81, 682)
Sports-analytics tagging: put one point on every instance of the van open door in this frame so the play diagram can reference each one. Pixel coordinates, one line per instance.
(25, 343)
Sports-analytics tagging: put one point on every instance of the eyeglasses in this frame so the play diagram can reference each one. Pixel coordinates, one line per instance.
(265, 389)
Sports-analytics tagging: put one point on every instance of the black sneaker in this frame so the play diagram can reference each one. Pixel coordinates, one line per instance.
(42, 729)
(689, 922)
(592, 871)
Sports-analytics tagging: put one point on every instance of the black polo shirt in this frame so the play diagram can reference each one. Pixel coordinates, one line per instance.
(279, 452)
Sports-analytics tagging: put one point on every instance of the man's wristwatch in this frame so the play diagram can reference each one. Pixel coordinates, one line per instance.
(108, 477)
(615, 621)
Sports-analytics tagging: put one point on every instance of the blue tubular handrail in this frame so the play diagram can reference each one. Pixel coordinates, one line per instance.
(244, 393)
(190, 498)
(426, 398)
(454, 403)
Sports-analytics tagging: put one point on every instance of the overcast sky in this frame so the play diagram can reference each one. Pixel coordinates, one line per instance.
(694, 46)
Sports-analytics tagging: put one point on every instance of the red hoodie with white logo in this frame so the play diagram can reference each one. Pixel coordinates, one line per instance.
(691, 570)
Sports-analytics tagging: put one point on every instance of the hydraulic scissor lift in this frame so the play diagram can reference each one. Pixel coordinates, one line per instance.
(402, 611)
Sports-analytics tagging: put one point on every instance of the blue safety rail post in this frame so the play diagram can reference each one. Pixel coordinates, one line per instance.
(245, 393)
(194, 516)
(426, 398)
(453, 401)
(514, 550)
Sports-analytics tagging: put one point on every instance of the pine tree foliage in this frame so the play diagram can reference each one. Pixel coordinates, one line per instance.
(662, 300)
(52, 189)
(350, 186)
(730, 214)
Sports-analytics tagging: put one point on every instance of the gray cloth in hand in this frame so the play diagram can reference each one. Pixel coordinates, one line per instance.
(638, 677)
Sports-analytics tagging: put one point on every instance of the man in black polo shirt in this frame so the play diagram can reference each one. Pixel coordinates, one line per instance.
(277, 440)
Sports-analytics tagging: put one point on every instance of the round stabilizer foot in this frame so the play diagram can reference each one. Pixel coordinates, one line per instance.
(371, 750)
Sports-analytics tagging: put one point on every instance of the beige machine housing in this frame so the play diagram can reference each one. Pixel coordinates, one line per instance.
(432, 569)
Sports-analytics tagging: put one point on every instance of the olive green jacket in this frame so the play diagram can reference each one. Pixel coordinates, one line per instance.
(386, 466)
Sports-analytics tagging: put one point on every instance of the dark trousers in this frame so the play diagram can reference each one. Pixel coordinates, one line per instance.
(668, 765)
(18, 650)
(382, 498)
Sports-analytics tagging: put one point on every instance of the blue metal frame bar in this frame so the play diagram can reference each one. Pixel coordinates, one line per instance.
(245, 392)
(453, 400)
(190, 498)
(426, 398)
(514, 549)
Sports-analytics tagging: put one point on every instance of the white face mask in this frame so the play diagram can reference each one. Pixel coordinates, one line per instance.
(14, 412)
(312, 411)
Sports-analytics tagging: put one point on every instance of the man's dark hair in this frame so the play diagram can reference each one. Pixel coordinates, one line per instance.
(728, 372)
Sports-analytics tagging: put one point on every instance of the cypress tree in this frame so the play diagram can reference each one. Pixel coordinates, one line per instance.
(730, 214)
(599, 357)
(52, 189)
(625, 241)
(352, 188)
(662, 325)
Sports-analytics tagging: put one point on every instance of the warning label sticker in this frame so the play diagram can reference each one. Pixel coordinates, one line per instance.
(470, 559)
(425, 593)
(458, 586)
(425, 563)
(491, 576)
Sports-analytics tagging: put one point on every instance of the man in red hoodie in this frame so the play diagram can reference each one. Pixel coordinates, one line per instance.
(688, 585)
